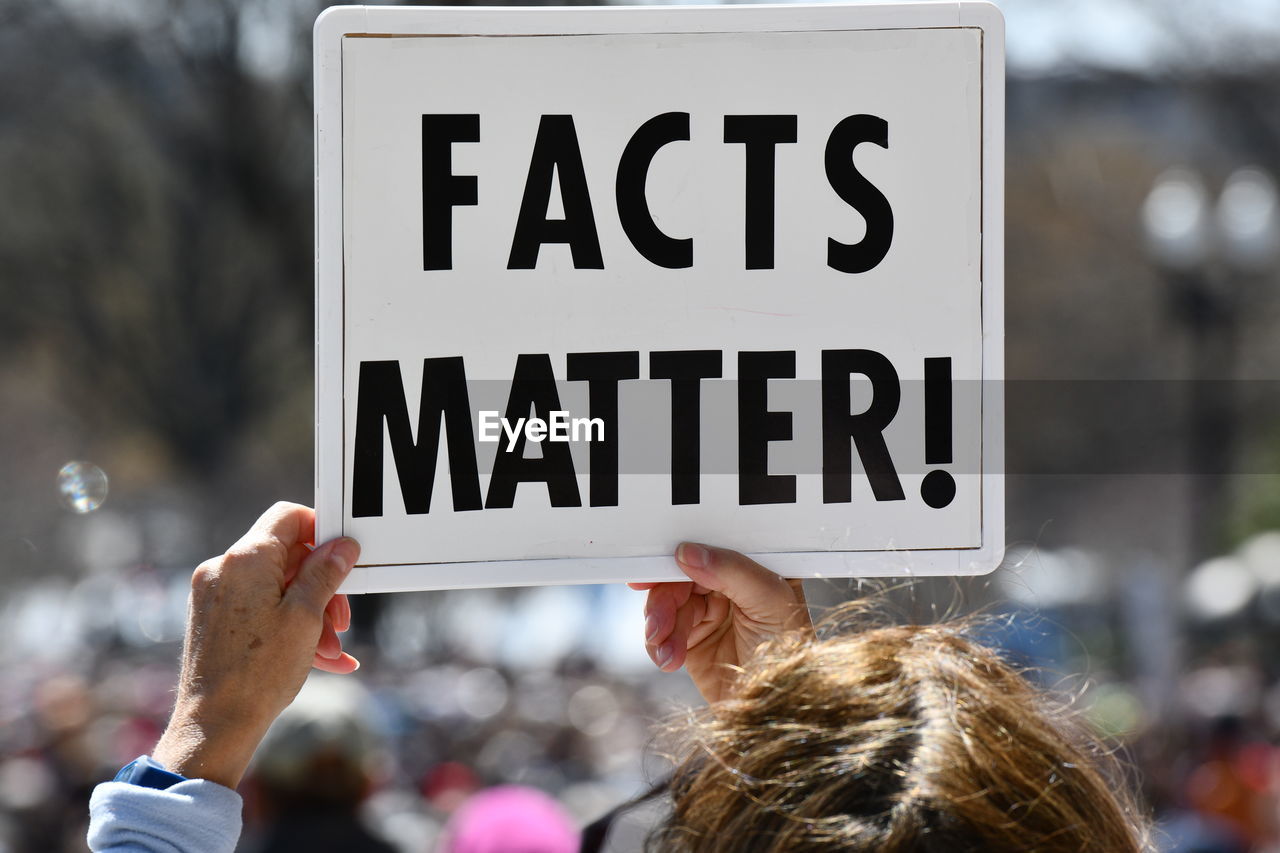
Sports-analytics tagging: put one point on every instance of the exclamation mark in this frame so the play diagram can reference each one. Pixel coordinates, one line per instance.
(938, 487)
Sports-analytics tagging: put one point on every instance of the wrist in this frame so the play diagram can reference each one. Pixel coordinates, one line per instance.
(198, 744)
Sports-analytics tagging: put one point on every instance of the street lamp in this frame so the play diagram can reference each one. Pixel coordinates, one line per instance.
(1176, 222)
(1205, 250)
(1248, 219)
(1242, 231)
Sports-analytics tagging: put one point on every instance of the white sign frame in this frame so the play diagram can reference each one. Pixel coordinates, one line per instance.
(338, 22)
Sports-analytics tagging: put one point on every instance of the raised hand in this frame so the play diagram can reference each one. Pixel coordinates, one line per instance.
(260, 617)
(717, 619)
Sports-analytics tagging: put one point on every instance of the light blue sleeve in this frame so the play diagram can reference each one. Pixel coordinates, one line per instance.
(195, 816)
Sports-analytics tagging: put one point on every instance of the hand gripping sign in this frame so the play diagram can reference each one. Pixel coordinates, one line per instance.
(593, 281)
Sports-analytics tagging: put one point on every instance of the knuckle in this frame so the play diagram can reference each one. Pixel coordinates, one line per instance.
(250, 553)
(206, 576)
(283, 508)
(242, 552)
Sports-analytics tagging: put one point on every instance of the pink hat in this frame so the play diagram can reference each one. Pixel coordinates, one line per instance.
(510, 819)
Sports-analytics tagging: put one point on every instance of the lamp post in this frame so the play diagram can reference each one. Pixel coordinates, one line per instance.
(1207, 251)
(1248, 219)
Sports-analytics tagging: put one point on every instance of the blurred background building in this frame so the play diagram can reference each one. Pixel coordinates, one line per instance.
(155, 396)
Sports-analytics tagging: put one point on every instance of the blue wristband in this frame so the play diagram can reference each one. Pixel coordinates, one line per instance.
(149, 773)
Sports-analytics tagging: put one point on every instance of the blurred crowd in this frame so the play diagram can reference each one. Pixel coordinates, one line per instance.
(547, 689)
(543, 701)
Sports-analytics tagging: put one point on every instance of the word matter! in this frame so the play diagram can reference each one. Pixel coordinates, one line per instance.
(382, 419)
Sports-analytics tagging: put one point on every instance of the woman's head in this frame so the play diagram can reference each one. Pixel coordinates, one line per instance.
(906, 738)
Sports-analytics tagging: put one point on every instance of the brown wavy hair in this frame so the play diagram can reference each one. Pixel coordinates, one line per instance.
(894, 738)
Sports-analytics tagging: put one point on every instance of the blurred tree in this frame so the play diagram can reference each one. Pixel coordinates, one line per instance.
(156, 211)
(156, 232)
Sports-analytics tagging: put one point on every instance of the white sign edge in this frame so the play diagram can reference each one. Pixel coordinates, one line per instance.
(339, 21)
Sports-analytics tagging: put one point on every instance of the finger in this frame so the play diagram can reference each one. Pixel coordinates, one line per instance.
(329, 646)
(338, 611)
(267, 547)
(299, 552)
(715, 621)
(342, 665)
(344, 622)
(322, 572)
(797, 586)
(285, 523)
(669, 655)
(643, 585)
(660, 609)
(761, 595)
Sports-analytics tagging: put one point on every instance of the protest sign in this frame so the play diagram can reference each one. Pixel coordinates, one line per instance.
(594, 281)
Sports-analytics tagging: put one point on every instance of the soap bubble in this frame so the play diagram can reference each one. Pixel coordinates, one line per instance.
(83, 486)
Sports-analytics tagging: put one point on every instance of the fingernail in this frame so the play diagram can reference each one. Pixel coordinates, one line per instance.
(328, 654)
(693, 555)
(650, 626)
(346, 551)
(663, 655)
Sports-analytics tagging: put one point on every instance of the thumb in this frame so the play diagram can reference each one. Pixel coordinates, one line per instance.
(760, 594)
(322, 572)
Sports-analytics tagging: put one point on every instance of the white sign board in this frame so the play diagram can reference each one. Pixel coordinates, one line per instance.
(593, 281)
